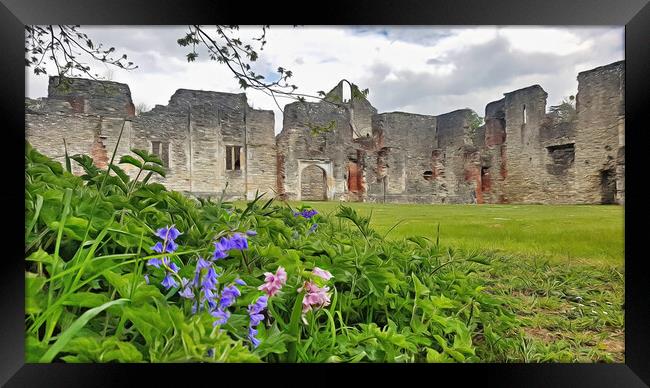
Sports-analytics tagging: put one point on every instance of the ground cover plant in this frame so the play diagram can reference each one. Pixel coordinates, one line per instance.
(123, 270)
(561, 233)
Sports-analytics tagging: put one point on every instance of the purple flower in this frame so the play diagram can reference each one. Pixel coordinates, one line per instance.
(240, 282)
(218, 254)
(228, 296)
(169, 282)
(158, 247)
(146, 278)
(238, 241)
(259, 305)
(187, 293)
(173, 267)
(307, 213)
(256, 319)
(251, 233)
(252, 332)
(168, 233)
(256, 316)
(202, 263)
(312, 229)
(156, 262)
(221, 315)
(171, 246)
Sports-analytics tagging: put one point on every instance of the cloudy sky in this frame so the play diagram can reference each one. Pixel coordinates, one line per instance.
(426, 70)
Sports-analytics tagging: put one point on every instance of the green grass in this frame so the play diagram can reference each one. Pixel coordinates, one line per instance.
(574, 233)
(560, 268)
(564, 313)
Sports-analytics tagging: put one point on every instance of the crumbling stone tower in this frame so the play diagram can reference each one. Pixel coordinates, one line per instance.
(213, 143)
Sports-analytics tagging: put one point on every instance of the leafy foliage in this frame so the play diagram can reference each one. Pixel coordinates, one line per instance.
(87, 300)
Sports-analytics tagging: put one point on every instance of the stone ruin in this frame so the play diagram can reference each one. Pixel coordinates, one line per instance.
(215, 144)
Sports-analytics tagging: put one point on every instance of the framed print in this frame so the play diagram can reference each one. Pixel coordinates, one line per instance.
(384, 188)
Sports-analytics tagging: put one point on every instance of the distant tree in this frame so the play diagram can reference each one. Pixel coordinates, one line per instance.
(475, 121)
(566, 110)
(141, 107)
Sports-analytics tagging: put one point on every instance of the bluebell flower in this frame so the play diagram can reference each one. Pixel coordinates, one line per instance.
(171, 246)
(146, 278)
(238, 241)
(256, 319)
(256, 316)
(187, 293)
(173, 267)
(306, 213)
(158, 247)
(251, 233)
(252, 332)
(208, 293)
(240, 282)
(313, 228)
(219, 254)
(221, 315)
(223, 244)
(210, 279)
(228, 296)
(187, 289)
(212, 304)
(202, 263)
(156, 262)
(259, 305)
(168, 233)
(169, 282)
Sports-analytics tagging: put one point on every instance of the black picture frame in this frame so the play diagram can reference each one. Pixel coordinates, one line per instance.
(633, 14)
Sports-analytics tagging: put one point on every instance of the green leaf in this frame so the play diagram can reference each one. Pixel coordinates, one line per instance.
(85, 299)
(294, 327)
(124, 177)
(155, 168)
(67, 335)
(147, 157)
(128, 159)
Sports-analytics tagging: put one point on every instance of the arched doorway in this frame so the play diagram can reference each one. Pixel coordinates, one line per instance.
(313, 184)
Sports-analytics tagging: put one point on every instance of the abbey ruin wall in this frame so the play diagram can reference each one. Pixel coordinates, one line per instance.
(338, 149)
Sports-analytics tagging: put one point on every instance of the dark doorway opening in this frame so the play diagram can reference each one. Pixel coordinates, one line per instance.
(607, 186)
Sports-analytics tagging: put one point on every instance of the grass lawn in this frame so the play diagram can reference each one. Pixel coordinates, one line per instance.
(562, 233)
(560, 267)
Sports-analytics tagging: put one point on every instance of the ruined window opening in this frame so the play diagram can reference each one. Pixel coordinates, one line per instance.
(524, 117)
(486, 180)
(428, 175)
(233, 158)
(561, 158)
(346, 94)
(161, 149)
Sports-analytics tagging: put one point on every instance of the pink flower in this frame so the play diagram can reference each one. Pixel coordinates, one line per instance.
(322, 273)
(315, 296)
(273, 282)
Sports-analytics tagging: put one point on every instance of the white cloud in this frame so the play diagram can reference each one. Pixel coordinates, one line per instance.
(425, 70)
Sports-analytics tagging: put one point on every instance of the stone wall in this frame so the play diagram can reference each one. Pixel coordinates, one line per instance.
(340, 149)
(401, 169)
(600, 139)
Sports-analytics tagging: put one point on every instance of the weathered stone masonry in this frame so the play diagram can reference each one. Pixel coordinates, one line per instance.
(214, 142)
